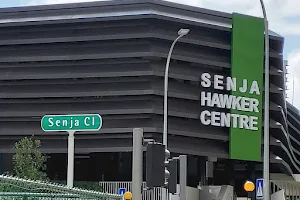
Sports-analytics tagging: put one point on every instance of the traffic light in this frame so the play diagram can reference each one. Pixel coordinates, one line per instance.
(155, 168)
(167, 172)
(172, 182)
(156, 161)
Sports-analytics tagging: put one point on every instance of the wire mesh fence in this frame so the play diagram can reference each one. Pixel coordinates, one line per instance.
(16, 188)
(35, 196)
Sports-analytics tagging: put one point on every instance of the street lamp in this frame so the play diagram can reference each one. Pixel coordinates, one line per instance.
(266, 174)
(182, 32)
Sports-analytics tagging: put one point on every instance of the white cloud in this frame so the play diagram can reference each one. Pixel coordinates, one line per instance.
(291, 7)
(47, 2)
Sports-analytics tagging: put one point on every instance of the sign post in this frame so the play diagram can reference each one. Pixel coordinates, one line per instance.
(71, 152)
(122, 192)
(259, 188)
(71, 124)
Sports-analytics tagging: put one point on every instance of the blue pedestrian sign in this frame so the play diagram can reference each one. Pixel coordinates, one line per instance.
(259, 188)
(122, 191)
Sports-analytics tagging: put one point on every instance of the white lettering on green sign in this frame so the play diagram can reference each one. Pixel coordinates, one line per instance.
(88, 122)
(227, 101)
(231, 84)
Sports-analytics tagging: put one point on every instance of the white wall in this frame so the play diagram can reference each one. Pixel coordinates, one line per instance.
(278, 195)
(191, 193)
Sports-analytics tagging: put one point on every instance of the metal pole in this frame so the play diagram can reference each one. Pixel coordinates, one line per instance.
(70, 176)
(137, 164)
(165, 133)
(266, 174)
(182, 176)
(181, 33)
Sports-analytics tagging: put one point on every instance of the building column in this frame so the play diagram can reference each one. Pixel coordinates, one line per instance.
(202, 170)
(230, 172)
(210, 170)
(1, 167)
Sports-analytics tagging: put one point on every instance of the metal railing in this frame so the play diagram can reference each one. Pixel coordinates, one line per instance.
(18, 188)
(37, 196)
(113, 188)
(291, 188)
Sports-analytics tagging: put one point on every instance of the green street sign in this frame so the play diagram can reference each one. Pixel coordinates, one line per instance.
(81, 122)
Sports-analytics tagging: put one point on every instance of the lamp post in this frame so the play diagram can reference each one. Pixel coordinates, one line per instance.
(182, 32)
(266, 161)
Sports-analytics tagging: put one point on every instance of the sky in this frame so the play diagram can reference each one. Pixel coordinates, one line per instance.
(283, 17)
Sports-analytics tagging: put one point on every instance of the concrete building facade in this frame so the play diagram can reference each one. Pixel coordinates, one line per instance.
(109, 58)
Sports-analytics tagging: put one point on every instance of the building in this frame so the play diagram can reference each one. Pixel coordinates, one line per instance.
(109, 58)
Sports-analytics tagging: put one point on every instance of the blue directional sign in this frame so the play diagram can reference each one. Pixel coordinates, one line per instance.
(259, 188)
(122, 191)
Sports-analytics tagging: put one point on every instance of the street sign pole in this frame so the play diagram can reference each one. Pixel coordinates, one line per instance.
(71, 151)
(260, 184)
(71, 124)
(137, 163)
(182, 176)
(122, 192)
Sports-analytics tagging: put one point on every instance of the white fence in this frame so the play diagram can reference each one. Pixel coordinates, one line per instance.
(113, 188)
(290, 188)
(208, 193)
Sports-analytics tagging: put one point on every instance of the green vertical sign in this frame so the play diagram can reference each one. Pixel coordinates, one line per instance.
(247, 55)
